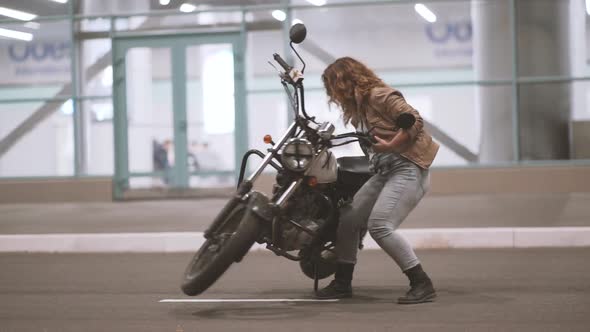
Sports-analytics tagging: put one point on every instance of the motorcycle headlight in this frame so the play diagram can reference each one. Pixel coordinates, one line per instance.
(297, 154)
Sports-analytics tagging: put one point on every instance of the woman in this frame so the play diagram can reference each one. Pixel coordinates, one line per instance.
(400, 159)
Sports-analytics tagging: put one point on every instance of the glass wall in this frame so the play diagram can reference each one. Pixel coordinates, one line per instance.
(499, 82)
(36, 108)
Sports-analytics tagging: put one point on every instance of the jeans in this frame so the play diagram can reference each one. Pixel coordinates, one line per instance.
(380, 206)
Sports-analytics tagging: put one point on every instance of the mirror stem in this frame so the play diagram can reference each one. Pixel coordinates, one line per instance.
(299, 56)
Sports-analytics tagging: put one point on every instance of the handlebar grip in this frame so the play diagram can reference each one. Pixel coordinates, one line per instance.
(359, 136)
(282, 62)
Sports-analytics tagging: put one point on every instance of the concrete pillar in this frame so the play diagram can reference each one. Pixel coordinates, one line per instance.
(578, 47)
(580, 129)
(544, 109)
(543, 50)
(492, 60)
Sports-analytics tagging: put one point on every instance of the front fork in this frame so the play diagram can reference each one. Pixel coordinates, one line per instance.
(258, 203)
(246, 186)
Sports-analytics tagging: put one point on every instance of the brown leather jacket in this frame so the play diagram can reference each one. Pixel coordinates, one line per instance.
(382, 107)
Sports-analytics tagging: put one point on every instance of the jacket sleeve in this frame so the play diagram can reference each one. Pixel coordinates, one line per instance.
(394, 104)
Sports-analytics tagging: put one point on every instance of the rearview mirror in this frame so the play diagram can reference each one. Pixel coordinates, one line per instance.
(297, 33)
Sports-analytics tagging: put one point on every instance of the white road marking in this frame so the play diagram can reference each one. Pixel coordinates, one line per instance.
(419, 238)
(242, 300)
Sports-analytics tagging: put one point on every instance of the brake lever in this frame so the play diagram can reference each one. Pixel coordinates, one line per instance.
(275, 67)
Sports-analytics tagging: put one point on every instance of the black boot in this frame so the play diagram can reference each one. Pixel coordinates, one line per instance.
(421, 288)
(340, 287)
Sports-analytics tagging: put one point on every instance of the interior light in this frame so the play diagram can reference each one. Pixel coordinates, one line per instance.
(279, 15)
(426, 13)
(107, 76)
(588, 7)
(67, 108)
(102, 111)
(164, 2)
(187, 8)
(17, 14)
(60, 1)
(16, 34)
(296, 21)
(317, 2)
(32, 25)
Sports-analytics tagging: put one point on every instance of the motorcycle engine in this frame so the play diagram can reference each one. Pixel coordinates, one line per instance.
(295, 238)
(310, 210)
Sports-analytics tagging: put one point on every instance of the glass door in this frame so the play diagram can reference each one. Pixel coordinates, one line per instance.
(211, 115)
(178, 101)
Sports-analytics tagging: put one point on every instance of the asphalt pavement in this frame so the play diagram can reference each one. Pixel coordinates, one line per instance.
(479, 290)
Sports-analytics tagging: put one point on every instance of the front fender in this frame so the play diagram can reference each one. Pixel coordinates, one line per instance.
(261, 206)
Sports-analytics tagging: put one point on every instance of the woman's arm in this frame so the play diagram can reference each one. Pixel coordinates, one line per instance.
(390, 104)
(395, 144)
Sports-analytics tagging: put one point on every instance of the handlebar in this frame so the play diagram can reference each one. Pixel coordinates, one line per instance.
(363, 139)
(351, 134)
(282, 62)
(360, 136)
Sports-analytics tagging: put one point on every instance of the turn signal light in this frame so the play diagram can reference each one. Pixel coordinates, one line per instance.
(267, 139)
(312, 181)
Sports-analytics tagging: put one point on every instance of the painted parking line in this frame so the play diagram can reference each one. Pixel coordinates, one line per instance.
(419, 238)
(241, 300)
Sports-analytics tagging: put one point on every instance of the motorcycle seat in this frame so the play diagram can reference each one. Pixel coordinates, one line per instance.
(358, 165)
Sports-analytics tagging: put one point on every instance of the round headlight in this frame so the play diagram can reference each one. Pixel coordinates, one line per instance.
(297, 154)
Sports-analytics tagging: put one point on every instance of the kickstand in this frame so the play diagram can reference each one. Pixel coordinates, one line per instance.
(315, 278)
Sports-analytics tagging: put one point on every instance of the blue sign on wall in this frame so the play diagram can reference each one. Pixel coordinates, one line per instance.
(451, 31)
(42, 61)
(39, 52)
(452, 38)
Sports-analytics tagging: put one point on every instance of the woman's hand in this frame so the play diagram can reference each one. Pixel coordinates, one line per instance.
(393, 145)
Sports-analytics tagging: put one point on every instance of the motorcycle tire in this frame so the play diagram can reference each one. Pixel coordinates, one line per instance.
(214, 257)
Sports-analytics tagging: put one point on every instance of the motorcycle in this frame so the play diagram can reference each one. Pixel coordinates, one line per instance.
(299, 220)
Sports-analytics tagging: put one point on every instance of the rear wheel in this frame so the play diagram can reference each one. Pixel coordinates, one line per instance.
(323, 263)
(227, 245)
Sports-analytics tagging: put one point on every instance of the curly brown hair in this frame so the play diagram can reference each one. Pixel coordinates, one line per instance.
(347, 80)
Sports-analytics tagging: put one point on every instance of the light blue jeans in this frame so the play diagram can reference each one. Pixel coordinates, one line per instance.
(380, 206)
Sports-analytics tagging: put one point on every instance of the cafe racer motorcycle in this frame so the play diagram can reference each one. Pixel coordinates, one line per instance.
(299, 220)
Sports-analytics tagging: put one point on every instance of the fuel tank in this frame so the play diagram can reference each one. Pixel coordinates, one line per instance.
(324, 168)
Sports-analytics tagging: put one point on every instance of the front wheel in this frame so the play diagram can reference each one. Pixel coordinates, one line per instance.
(240, 230)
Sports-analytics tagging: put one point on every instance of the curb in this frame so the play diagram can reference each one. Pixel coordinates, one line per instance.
(424, 238)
